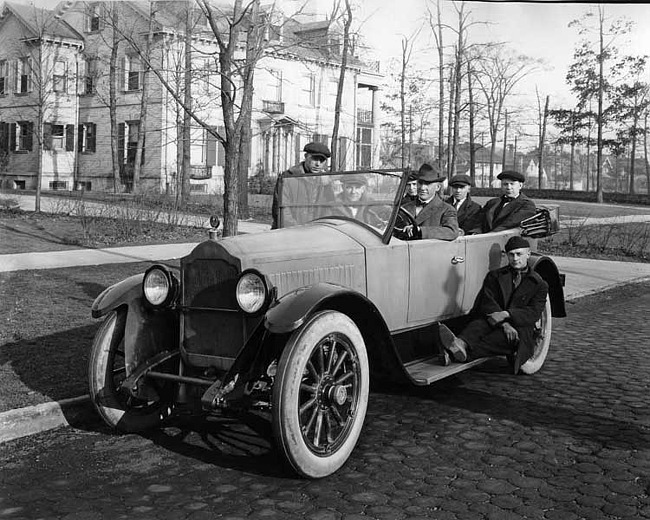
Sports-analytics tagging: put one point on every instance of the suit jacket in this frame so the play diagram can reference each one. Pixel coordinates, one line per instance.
(306, 189)
(524, 304)
(436, 219)
(510, 216)
(364, 213)
(469, 215)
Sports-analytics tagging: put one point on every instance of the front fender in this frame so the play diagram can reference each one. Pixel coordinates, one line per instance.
(294, 309)
(121, 293)
(547, 269)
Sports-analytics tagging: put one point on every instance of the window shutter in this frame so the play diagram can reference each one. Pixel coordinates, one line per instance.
(121, 134)
(81, 77)
(29, 136)
(47, 136)
(29, 77)
(210, 149)
(91, 139)
(4, 138)
(80, 137)
(221, 151)
(16, 68)
(124, 68)
(69, 138)
(12, 136)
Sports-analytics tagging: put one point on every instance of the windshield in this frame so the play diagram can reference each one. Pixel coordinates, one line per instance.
(368, 197)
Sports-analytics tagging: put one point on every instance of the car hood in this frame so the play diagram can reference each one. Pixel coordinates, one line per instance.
(299, 256)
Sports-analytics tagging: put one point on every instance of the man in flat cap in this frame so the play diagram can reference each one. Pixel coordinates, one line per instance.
(433, 218)
(468, 211)
(411, 192)
(511, 208)
(316, 155)
(511, 300)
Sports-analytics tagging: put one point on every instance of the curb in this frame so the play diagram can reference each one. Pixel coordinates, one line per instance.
(77, 411)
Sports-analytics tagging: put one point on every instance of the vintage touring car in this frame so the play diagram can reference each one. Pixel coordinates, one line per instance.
(298, 321)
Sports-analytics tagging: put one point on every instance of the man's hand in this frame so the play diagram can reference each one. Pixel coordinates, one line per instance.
(511, 333)
(412, 231)
(496, 318)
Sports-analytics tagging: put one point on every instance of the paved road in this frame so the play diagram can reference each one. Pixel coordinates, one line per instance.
(571, 442)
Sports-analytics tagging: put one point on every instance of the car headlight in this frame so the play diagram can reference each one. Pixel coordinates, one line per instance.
(159, 286)
(252, 292)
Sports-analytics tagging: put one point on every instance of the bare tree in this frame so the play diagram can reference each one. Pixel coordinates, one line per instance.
(542, 118)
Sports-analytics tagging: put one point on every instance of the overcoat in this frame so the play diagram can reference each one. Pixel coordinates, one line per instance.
(509, 217)
(306, 189)
(524, 304)
(436, 219)
(469, 215)
(364, 213)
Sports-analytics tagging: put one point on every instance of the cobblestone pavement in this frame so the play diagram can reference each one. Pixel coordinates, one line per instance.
(570, 442)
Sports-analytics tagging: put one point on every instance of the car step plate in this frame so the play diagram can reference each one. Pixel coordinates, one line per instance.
(426, 371)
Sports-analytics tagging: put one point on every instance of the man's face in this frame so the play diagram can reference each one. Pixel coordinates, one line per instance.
(353, 192)
(460, 191)
(518, 258)
(511, 188)
(412, 188)
(426, 190)
(315, 163)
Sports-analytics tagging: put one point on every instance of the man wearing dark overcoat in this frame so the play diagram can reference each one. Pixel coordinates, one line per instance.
(305, 190)
(509, 304)
(468, 211)
(353, 201)
(511, 208)
(433, 218)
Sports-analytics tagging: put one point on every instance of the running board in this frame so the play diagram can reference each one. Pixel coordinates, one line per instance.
(426, 371)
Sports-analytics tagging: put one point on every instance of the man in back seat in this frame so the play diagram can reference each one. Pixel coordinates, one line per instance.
(511, 208)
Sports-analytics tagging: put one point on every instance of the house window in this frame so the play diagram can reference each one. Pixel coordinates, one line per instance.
(210, 77)
(128, 142)
(87, 137)
(309, 90)
(23, 75)
(276, 85)
(58, 185)
(132, 73)
(321, 138)
(93, 18)
(364, 147)
(332, 90)
(21, 136)
(87, 75)
(4, 77)
(58, 137)
(60, 79)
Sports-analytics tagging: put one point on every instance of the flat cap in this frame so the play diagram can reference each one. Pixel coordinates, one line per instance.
(317, 149)
(460, 179)
(413, 176)
(512, 175)
(516, 242)
(428, 173)
(354, 178)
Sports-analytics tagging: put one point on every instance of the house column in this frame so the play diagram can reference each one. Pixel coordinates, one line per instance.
(376, 145)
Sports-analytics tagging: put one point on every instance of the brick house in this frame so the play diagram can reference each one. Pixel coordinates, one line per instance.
(54, 91)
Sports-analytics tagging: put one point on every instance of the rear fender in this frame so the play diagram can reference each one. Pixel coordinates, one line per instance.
(295, 308)
(547, 269)
(147, 332)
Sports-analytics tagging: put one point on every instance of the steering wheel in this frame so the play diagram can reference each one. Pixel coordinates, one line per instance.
(404, 218)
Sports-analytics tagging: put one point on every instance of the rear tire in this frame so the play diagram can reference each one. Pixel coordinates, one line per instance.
(542, 335)
(107, 370)
(320, 395)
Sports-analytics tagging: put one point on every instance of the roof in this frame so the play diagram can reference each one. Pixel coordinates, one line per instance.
(41, 22)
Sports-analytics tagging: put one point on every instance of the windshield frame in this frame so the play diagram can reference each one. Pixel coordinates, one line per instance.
(388, 232)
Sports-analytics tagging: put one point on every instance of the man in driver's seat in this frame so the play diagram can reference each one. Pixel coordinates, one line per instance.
(432, 217)
(354, 201)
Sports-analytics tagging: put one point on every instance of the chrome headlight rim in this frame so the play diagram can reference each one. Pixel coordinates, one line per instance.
(265, 301)
(171, 282)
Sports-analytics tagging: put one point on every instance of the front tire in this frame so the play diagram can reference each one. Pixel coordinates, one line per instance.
(542, 335)
(106, 372)
(320, 395)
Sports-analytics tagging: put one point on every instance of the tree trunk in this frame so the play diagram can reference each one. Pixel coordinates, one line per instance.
(645, 154)
(113, 76)
(402, 95)
(601, 87)
(472, 151)
(542, 139)
(339, 91)
(635, 123)
(573, 149)
(505, 142)
(441, 91)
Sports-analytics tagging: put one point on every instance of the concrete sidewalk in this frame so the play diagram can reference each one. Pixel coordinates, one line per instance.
(583, 276)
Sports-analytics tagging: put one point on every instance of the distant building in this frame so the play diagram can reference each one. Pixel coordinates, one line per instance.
(54, 92)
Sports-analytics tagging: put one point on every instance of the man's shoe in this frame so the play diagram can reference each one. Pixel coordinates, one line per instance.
(444, 358)
(451, 343)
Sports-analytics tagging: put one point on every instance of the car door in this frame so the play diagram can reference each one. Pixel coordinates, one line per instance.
(436, 280)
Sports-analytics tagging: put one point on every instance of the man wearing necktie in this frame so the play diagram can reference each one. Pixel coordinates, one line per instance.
(433, 218)
(468, 211)
(511, 300)
(511, 208)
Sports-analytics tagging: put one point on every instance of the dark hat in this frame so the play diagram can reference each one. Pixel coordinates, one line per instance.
(413, 176)
(428, 173)
(512, 175)
(317, 149)
(516, 242)
(354, 178)
(460, 179)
